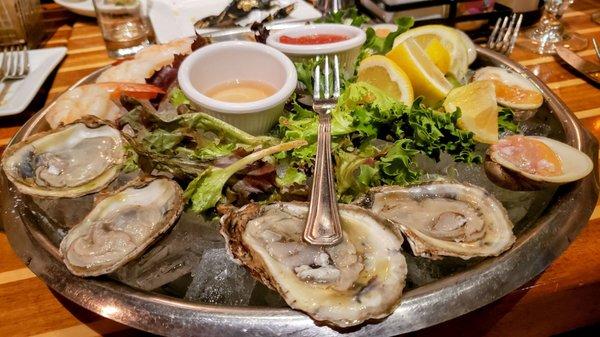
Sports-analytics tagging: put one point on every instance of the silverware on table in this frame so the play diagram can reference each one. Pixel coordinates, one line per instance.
(596, 48)
(586, 68)
(504, 35)
(323, 224)
(15, 63)
(238, 33)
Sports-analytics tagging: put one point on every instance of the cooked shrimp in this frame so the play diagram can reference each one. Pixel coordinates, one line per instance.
(146, 62)
(96, 99)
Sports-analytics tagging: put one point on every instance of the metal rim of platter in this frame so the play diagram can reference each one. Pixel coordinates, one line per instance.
(422, 307)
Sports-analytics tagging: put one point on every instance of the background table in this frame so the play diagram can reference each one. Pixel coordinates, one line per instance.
(565, 297)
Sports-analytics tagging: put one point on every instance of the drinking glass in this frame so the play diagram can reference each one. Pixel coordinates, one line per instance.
(549, 33)
(21, 22)
(122, 26)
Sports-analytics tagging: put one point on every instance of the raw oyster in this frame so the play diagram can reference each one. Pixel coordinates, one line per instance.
(121, 226)
(71, 161)
(445, 219)
(359, 279)
(524, 163)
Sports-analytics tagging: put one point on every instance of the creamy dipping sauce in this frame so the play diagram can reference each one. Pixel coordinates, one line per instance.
(243, 91)
(313, 39)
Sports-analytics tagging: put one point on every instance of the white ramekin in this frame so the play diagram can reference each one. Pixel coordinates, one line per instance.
(239, 60)
(346, 50)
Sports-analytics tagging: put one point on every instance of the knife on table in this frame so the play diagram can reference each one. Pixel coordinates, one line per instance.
(586, 68)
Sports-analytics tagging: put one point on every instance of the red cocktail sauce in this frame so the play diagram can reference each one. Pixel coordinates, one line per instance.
(313, 39)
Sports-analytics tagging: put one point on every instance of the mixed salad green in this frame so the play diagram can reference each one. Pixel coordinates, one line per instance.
(375, 139)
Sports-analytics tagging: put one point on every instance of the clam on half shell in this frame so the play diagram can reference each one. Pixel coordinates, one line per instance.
(70, 161)
(121, 226)
(445, 219)
(343, 285)
(516, 163)
(512, 90)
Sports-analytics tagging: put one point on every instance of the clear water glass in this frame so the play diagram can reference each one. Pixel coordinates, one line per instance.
(123, 26)
(549, 33)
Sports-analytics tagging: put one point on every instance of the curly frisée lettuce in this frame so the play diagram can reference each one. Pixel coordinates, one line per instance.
(506, 121)
(364, 116)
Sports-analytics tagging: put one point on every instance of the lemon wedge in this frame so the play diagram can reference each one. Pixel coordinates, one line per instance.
(471, 51)
(477, 103)
(450, 39)
(437, 53)
(386, 75)
(427, 80)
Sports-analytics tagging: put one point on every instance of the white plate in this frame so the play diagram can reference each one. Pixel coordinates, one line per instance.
(81, 7)
(21, 92)
(173, 19)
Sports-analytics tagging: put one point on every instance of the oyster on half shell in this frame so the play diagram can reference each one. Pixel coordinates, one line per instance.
(445, 219)
(121, 226)
(70, 161)
(343, 285)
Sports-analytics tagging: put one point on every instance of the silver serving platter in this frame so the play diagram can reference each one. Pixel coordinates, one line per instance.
(444, 299)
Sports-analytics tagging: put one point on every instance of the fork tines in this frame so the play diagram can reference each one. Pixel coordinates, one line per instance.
(328, 80)
(15, 61)
(505, 32)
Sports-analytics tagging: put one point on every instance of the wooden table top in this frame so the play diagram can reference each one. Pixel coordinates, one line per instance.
(564, 297)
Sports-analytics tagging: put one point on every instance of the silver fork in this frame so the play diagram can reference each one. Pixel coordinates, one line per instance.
(504, 35)
(15, 63)
(596, 48)
(323, 224)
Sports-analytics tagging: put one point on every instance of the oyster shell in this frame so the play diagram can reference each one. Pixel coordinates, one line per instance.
(70, 161)
(526, 163)
(359, 279)
(445, 219)
(121, 226)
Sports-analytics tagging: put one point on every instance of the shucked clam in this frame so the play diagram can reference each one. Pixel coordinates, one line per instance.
(70, 161)
(512, 90)
(531, 163)
(445, 219)
(121, 226)
(359, 279)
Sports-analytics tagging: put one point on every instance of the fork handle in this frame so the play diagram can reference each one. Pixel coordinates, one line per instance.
(323, 224)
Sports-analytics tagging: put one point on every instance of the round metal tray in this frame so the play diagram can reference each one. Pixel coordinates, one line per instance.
(427, 305)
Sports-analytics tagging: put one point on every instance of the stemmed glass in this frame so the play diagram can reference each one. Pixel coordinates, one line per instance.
(549, 32)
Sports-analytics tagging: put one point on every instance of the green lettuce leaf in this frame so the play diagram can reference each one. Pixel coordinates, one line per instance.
(177, 97)
(162, 141)
(382, 45)
(354, 172)
(305, 70)
(131, 161)
(348, 16)
(434, 132)
(205, 190)
(397, 167)
(506, 121)
(290, 177)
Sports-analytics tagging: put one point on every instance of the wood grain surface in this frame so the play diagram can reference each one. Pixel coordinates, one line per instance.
(564, 297)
